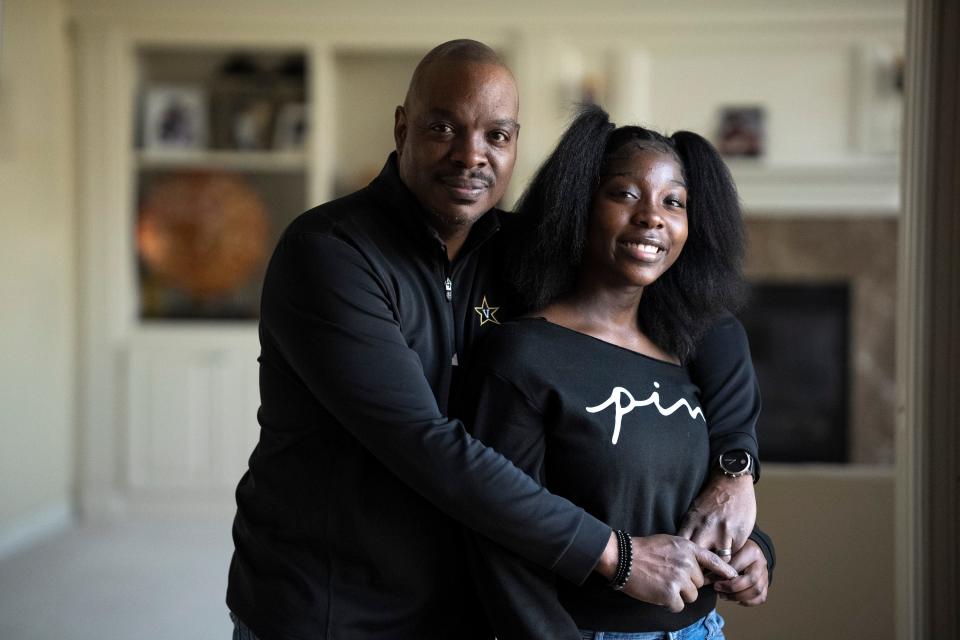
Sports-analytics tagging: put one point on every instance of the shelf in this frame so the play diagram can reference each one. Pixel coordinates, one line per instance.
(278, 161)
(187, 335)
(852, 187)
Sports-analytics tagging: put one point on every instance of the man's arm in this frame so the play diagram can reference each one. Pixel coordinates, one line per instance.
(723, 370)
(328, 313)
(519, 597)
(724, 513)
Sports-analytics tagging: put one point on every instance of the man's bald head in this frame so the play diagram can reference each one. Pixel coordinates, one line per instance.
(462, 51)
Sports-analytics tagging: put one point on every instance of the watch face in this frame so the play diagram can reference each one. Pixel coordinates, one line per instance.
(735, 461)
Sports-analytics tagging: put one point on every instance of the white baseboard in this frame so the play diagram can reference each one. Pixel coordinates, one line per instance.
(32, 527)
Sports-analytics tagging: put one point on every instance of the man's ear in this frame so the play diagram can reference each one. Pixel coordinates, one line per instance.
(399, 128)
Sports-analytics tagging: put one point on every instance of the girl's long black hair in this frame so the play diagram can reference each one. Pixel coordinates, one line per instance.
(554, 212)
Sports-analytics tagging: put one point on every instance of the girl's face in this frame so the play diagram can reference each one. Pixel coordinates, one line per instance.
(638, 224)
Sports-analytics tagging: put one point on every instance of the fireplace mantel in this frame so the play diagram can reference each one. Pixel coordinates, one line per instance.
(839, 188)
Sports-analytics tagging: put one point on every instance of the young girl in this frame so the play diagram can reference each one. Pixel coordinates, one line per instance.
(630, 252)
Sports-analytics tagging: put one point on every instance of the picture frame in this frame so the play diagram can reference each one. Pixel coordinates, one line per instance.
(290, 129)
(175, 117)
(250, 123)
(742, 131)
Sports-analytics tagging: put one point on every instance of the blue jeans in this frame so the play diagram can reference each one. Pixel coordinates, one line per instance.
(708, 627)
(240, 630)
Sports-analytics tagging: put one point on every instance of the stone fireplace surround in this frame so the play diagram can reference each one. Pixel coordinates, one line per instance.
(861, 250)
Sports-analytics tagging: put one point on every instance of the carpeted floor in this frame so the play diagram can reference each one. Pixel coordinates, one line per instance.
(147, 578)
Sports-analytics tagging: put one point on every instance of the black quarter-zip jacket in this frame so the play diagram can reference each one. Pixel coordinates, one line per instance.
(349, 517)
(346, 521)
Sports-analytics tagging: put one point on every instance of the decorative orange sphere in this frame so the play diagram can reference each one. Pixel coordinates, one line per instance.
(202, 232)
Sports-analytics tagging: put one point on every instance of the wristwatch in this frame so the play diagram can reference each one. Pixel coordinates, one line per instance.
(736, 463)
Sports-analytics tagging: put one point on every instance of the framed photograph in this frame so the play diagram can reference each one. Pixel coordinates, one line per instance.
(175, 117)
(290, 129)
(741, 132)
(250, 124)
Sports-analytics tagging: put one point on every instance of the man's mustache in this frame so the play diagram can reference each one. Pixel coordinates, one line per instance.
(472, 179)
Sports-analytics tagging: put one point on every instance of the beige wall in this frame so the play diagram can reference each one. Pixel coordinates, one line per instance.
(37, 301)
(369, 87)
(833, 530)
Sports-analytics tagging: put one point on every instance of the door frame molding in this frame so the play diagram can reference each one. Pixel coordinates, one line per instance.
(928, 331)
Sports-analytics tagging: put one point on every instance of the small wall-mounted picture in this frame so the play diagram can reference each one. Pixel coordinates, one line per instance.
(898, 73)
(290, 130)
(175, 117)
(741, 132)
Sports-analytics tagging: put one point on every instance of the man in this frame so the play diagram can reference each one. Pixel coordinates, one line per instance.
(349, 519)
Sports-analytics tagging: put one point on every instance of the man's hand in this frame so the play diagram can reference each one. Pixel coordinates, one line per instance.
(750, 588)
(723, 515)
(666, 570)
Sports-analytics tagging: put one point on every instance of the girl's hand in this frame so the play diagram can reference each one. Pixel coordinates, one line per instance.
(750, 587)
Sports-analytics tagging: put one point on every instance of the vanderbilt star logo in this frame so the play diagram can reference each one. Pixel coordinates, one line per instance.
(487, 313)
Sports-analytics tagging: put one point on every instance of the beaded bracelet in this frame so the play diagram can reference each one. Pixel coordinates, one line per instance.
(624, 561)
